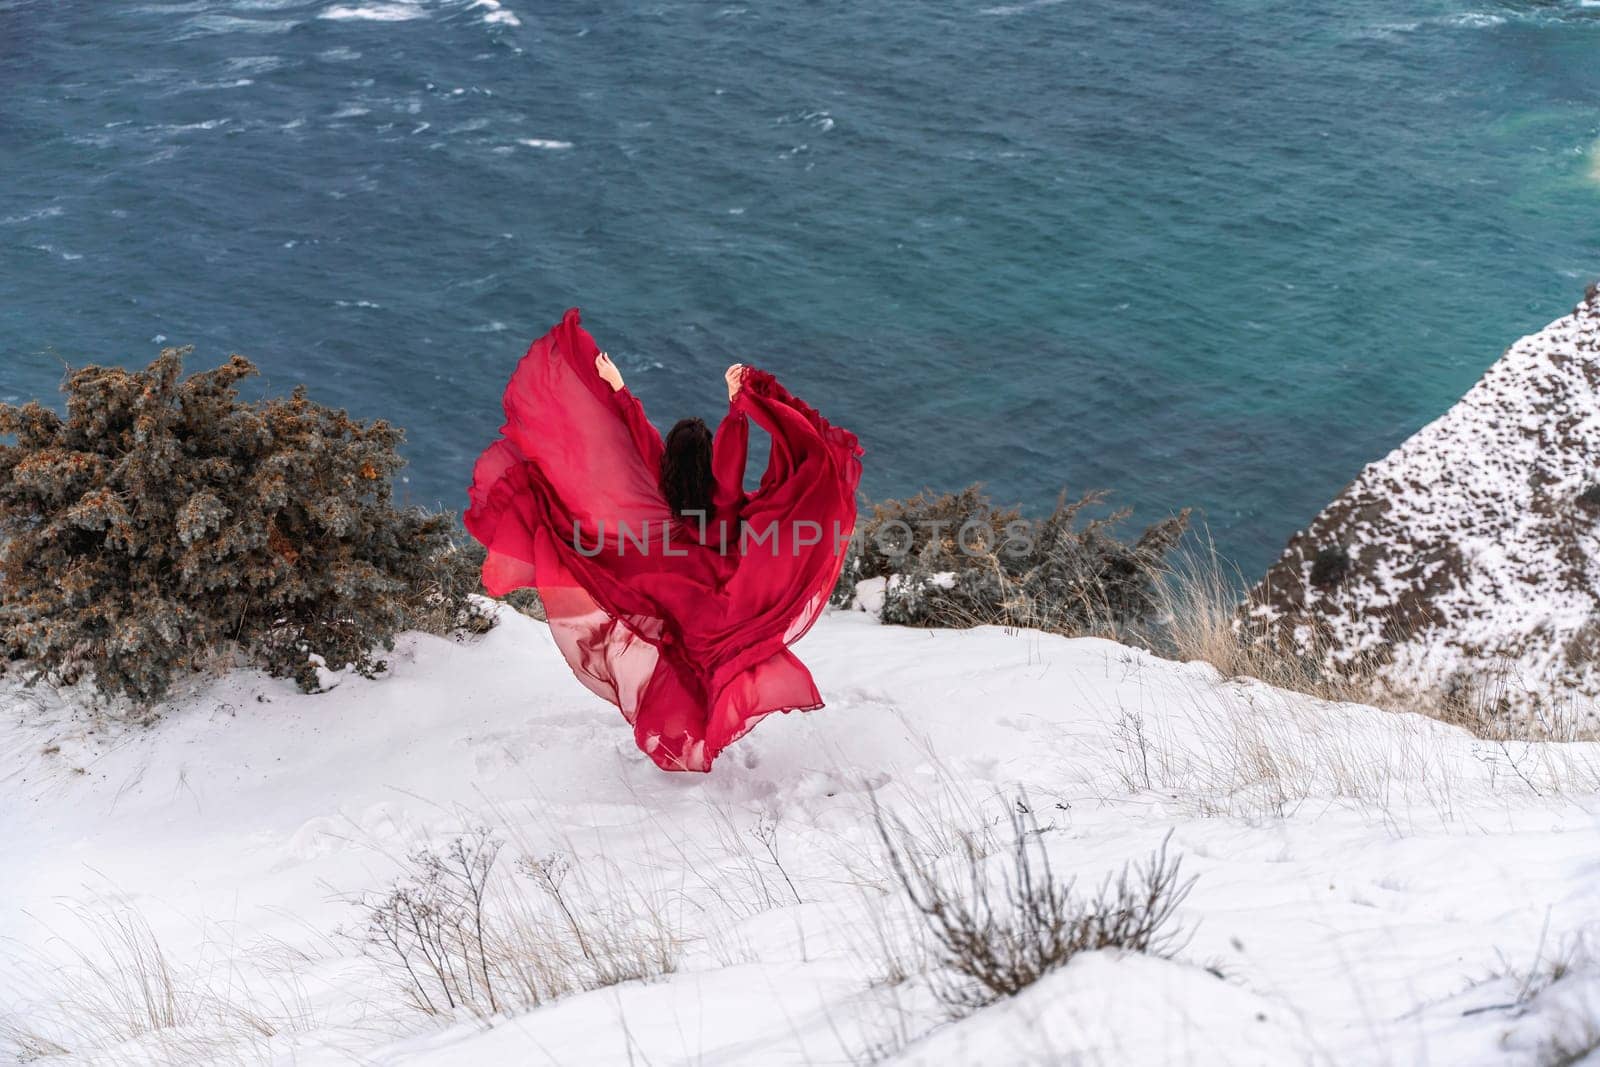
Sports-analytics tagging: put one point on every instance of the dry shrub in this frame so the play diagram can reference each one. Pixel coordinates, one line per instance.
(457, 937)
(993, 943)
(163, 522)
(958, 560)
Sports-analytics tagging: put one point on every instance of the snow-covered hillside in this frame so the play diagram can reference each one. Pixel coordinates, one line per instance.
(1473, 549)
(1371, 887)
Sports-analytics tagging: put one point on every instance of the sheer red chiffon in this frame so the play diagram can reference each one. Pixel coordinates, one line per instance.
(682, 623)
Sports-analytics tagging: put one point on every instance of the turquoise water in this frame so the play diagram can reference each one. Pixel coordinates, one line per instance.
(1212, 254)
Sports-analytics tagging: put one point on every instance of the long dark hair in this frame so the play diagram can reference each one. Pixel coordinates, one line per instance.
(686, 468)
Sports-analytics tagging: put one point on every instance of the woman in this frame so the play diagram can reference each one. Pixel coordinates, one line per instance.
(670, 591)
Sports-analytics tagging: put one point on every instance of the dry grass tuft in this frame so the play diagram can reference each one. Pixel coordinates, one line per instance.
(119, 986)
(457, 935)
(1200, 603)
(993, 942)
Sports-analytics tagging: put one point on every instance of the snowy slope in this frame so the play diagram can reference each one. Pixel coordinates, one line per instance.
(1372, 888)
(1474, 547)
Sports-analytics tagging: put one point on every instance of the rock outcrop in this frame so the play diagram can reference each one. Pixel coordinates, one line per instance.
(1472, 551)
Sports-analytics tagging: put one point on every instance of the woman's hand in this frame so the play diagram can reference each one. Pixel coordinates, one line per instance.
(608, 371)
(735, 378)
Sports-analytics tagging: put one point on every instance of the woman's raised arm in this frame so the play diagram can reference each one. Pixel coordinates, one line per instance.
(799, 434)
(730, 448)
(646, 438)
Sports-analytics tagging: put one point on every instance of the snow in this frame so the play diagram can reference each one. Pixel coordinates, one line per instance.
(1472, 539)
(1370, 887)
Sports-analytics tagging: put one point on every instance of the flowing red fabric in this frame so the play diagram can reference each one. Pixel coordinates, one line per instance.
(682, 623)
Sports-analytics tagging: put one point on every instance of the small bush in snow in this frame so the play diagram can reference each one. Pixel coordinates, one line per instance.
(457, 937)
(995, 940)
(162, 521)
(431, 927)
(958, 560)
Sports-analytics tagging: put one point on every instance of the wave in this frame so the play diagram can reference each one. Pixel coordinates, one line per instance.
(202, 25)
(29, 216)
(205, 87)
(394, 12)
(257, 64)
(821, 121)
(536, 142)
(1579, 12)
(1003, 10)
(495, 13)
(185, 127)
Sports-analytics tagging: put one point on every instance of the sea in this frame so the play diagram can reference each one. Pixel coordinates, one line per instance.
(1214, 254)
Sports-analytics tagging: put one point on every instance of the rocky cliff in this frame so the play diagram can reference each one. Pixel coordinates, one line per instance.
(1470, 552)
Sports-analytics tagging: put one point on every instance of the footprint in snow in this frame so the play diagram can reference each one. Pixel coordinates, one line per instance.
(829, 783)
(326, 834)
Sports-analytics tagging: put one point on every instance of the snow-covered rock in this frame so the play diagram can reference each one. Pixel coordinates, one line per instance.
(1371, 887)
(1472, 551)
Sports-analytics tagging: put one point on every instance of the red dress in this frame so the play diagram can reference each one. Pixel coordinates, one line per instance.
(682, 623)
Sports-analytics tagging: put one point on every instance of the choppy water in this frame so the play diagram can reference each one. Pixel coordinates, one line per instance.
(1217, 254)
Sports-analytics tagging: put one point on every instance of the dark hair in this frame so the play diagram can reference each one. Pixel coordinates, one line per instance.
(686, 468)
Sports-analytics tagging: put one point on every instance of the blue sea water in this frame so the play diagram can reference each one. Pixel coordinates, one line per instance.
(1217, 254)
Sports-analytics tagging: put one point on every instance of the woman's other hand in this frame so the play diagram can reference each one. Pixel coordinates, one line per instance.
(735, 378)
(608, 371)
